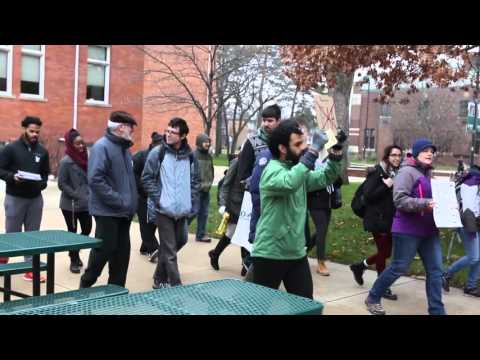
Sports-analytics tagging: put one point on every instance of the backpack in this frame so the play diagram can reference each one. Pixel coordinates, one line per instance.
(163, 150)
(358, 202)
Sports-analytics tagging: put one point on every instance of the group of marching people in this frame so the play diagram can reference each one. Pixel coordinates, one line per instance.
(168, 185)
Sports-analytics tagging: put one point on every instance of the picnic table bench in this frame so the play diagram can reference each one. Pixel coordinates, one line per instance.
(35, 243)
(220, 297)
(73, 296)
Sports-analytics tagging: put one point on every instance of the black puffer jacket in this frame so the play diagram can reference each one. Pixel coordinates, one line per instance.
(379, 210)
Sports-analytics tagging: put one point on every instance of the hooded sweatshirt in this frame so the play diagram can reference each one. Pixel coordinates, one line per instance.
(205, 163)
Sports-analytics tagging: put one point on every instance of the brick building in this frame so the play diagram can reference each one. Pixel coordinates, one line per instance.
(437, 113)
(78, 86)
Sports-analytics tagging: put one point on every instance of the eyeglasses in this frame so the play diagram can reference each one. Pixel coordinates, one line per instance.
(168, 131)
(396, 155)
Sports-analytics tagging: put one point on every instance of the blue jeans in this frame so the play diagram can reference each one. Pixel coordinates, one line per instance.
(404, 249)
(471, 244)
(202, 214)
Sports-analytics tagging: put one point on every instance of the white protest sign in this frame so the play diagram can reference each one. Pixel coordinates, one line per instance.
(445, 213)
(240, 237)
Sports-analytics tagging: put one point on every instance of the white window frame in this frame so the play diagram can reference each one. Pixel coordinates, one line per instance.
(41, 87)
(106, 64)
(9, 50)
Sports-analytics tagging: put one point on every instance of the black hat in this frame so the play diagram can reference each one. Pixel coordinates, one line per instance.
(122, 117)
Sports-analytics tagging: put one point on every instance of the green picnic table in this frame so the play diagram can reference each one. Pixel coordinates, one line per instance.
(48, 242)
(220, 297)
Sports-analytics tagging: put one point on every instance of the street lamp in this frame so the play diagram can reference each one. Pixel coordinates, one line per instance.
(475, 59)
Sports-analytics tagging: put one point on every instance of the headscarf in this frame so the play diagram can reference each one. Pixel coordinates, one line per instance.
(79, 158)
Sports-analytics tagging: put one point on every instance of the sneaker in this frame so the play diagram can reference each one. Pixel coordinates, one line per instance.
(29, 277)
(446, 282)
(213, 260)
(389, 295)
(3, 260)
(375, 308)
(153, 257)
(204, 240)
(160, 285)
(358, 270)
(75, 267)
(475, 292)
(244, 270)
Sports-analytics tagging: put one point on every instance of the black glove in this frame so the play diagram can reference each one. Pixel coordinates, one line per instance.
(341, 136)
(308, 158)
(335, 157)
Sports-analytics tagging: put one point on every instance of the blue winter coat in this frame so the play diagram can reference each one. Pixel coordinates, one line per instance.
(111, 181)
(173, 185)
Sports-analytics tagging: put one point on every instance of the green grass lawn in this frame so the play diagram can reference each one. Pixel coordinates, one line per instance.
(220, 160)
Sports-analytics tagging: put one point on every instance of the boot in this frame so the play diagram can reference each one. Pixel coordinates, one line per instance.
(322, 268)
(215, 253)
(358, 269)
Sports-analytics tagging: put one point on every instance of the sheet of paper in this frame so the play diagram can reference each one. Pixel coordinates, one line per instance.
(28, 176)
(445, 213)
(332, 140)
(240, 237)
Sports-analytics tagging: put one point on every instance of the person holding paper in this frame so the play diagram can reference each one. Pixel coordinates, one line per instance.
(230, 201)
(23, 199)
(73, 183)
(413, 230)
(470, 205)
(279, 252)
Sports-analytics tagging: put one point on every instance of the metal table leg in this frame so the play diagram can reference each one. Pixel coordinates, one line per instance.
(50, 272)
(36, 274)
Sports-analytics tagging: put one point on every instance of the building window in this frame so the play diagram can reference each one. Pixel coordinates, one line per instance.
(33, 70)
(423, 110)
(386, 110)
(6, 69)
(369, 139)
(463, 108)
(98, 74)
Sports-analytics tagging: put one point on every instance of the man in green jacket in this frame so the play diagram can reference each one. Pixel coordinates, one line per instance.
(279, 252)
(205, 164)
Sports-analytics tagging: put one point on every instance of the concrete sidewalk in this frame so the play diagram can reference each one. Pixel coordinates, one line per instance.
(338, 292)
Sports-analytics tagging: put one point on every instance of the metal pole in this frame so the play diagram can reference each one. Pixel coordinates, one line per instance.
(475, 101)
(366, 121)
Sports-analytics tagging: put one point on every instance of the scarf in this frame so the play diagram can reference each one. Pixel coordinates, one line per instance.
(81, 159)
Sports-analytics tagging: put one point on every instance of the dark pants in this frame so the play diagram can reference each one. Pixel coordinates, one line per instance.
(295, 275)
(384, 251)
(202, 214)
(173, 236)
(321, 219)
(72, 219)
(222, 245)
(115, 249)
(147, 230)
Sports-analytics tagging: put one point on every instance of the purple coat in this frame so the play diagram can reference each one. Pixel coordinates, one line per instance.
(412, 191)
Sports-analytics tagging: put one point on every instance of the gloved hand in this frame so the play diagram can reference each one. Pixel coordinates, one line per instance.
(319, 139)
(221, 210)
(341, 136)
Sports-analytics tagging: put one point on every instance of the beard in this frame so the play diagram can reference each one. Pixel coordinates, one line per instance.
(31, 139)
(294, 158)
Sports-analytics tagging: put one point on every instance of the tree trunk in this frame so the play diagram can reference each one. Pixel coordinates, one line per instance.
(341, 98)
